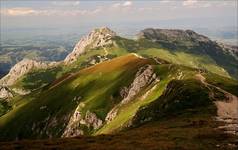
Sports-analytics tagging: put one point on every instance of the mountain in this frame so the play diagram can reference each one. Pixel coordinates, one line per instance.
(166, 79)
(22, 68)
(189, 41)
(40, 48)
(97, 38)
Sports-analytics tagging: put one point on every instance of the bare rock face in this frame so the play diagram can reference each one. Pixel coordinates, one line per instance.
(144, 77)
(97, 38)
(90, 120)
(5, 93)
(22, 68)
(111, 115)
(73, 127)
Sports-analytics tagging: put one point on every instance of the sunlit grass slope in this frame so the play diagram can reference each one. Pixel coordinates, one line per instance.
(98, 87)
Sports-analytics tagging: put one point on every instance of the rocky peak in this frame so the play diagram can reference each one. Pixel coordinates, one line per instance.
(22, 68)
(97, 38)
(174, 36)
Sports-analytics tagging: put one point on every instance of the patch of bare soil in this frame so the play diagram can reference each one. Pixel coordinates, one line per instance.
(227, 108)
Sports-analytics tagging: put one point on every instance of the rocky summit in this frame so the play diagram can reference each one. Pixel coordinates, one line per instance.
(97, 38)
(172, 35)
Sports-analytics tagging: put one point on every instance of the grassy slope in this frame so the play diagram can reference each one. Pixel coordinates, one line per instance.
(186, 59)
(166, 73)
(96, 85)
(187, 126)
(42, 77)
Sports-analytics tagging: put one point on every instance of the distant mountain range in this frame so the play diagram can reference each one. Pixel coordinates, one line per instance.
(108, 84)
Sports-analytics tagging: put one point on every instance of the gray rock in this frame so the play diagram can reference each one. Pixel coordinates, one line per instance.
(92, 120)
(97, 38)
(73, 127)
(5, 93)
(111, 115)
(143, 77)
(23, 67)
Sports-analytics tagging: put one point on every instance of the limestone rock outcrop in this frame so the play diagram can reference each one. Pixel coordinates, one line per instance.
(97, 38)
(5, 93)
(144, 77)
(77, 120)
(21, 68)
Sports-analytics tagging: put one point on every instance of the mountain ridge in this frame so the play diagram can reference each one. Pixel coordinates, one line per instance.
(104, 36)
(113, 86)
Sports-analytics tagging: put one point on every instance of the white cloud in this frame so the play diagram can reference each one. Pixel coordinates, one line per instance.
(121, 5)
(21, 11)
(199, 4)
(165, 1)
(127, 3)
(66, 3)
(47, 12)
(189, 2)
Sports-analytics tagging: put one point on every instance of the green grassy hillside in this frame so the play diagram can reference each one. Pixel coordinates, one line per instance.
(46, 112)
(97, 85)
(120, 90)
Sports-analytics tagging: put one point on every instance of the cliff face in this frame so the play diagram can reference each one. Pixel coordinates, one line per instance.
(144, 77)
(97, 38)
(22, 68)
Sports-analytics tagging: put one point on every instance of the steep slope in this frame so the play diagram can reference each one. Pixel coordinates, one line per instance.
(102, 99)
(97, 38)
(182, 114)
(95, 89)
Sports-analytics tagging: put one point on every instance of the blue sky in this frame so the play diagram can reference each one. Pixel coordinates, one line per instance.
(161, 13)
